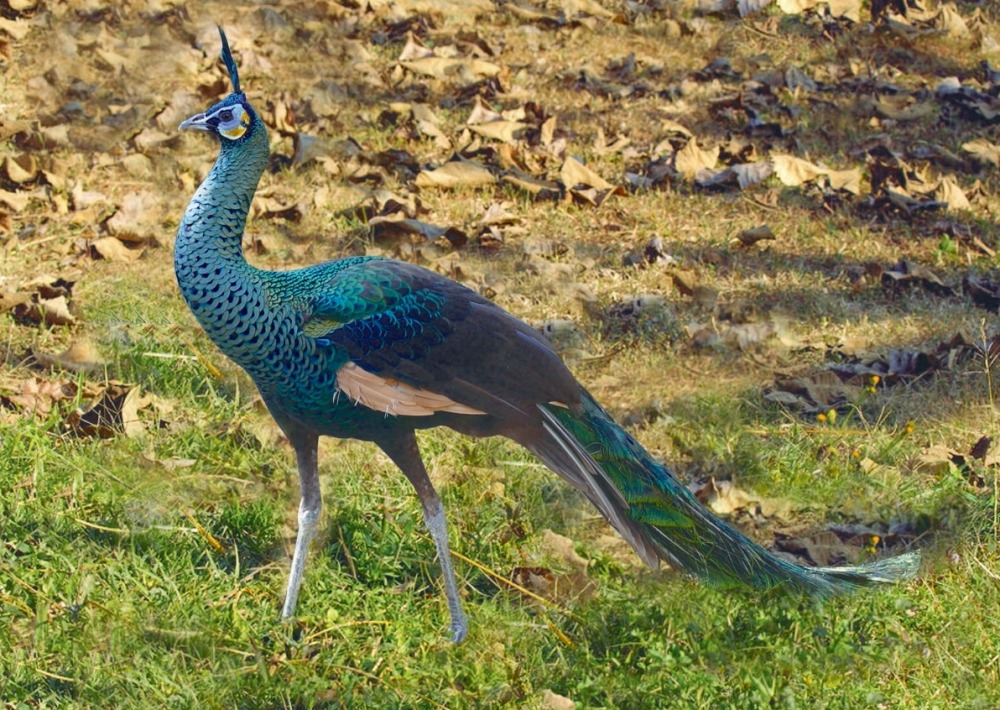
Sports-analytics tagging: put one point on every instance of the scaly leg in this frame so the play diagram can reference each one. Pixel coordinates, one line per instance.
(309, 509)
(405, 454)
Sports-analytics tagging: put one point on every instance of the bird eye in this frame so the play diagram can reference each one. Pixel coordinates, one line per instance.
(226, 116)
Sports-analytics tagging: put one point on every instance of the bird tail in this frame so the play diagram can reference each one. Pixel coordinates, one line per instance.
(663, 520)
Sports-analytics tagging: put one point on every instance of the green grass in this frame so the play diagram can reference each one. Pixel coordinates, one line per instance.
(108, 590)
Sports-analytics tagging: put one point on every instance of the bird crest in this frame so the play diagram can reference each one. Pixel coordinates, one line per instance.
(227, 59)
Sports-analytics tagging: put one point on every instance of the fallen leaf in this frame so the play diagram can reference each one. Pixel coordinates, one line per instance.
(985, 293)
(507, 131)
(16, 201)
(112, 249)
(794, 171)
(983, 151)
(554, 701)
(80, 356)
(691, 158)
(809, 394)
(906, 273)
(457, 173)
(824, 549)
(950, 193)
(391, 228)
(981, 448)
(82, 199)
(467, 70)
(51, 311)
(749, 237)
(414, 49)
(498, 215)
(562, 549)
(21, 169)
(116, 411)
(539, 188)
(36, 396)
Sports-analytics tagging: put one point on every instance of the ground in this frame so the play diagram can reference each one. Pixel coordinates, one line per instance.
(766, 244)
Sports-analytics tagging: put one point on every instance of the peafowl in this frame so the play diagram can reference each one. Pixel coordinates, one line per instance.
(373, 349)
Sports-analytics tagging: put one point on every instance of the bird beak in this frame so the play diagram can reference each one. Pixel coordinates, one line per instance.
(198, 122)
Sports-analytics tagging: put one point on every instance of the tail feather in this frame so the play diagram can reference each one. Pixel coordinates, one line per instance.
(663, 520)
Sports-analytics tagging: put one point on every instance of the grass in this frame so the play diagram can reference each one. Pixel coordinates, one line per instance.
(148, 571)
(112, 590)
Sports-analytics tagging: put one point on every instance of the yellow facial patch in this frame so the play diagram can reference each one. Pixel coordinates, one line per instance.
(234, 132)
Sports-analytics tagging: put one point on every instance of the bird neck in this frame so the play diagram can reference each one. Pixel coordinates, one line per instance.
(212, 226)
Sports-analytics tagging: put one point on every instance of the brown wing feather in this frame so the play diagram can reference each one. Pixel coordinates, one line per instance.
(395, 398)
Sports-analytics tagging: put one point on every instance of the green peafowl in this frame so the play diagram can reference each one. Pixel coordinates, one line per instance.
(374, 349)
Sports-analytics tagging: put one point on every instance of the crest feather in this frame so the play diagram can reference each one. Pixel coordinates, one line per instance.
(227, 59)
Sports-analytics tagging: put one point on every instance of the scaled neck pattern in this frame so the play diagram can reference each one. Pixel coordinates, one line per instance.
(225, 293)
(213, 223)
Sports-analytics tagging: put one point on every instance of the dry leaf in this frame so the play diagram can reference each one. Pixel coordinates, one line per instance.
(112, 249)
(507, 131)
(562, 549)
(51, 311)
(16, 201)
(80, 356)
(575, 174)
(540, 189)
(498, 215)
(747, 7)
(906, 273)
(985, 293)
(749, 237)
(22, 168)
(115, 412)
(984, 151)
(482, 113)
(82, 199)
(950, 193)
(794, 171)
(748, 174)
(37, 396)
(554, 701)
(392, 228)
(899, 108)
(467, 70)
(691, 158)
(414, 49)
(135, 221)
(457, 173)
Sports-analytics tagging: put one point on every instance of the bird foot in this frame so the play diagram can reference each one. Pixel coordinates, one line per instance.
(459, 630)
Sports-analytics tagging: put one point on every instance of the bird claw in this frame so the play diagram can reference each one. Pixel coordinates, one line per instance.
(459, 630)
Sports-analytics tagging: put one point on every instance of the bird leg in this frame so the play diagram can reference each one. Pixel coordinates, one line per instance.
(404, 453)
(309, 508)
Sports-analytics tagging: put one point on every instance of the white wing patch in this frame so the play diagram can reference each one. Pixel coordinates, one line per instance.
(392, 397)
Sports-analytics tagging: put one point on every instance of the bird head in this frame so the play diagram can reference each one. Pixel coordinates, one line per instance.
(232, 119)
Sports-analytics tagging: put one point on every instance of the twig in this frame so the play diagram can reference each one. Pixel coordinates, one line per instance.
(169, 356)
(509, 582)
(346, 624)
(212, 369)
(102, 528)
(347, 553)
(563, 638)
(216, 545)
